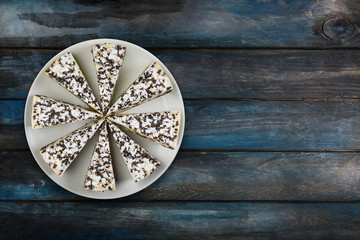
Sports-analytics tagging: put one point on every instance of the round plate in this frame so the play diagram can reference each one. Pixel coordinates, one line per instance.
(136, 60)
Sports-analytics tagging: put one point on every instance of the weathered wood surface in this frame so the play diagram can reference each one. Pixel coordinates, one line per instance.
(178, 220)
(179, 24)
(212, 176)
(289, 125)
(260, 74)
(284, 53)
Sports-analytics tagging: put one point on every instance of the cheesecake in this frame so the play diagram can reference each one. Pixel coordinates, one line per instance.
(61, 153)
(161, 127)
(100, 174)
(108, 59)
(48, 112)
(138, 161)
(152, 83)
(66, 72)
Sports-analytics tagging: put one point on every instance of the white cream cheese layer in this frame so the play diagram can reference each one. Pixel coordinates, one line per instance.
(139, 162)
(108, 59)
(66, 72)
(152, 83)
(48, 112)
(161, 127)
(60, 154)
(100, 174)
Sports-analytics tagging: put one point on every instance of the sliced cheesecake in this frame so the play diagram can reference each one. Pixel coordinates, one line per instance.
(60, 154)
(161, 127)
(100, 174)
(108, 59)
(152, 83)
(66, 72)
(48, 112)
(139, 162)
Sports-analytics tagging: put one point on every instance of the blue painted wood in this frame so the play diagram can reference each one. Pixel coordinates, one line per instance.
(259, 74)
(195, 175)
(18, 70)
(12, 112)
(272, 125)
(290, 125)
(211, 176)
(180, 23)
(178, 220)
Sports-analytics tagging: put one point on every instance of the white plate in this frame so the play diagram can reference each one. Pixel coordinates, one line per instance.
(136, 60)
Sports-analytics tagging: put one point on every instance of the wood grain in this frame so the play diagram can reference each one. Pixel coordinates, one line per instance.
(249, 74)
(180, 23)
(18, 70)
(178, 220)
(270, 86)
(287, 125)
(211, 176)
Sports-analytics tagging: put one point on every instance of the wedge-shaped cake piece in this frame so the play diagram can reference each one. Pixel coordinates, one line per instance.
(161, 127)
(60, 154)
(66, 72)
(48, 112)
(152, 83)
(108, 59)
(139, 162)
(100, 174)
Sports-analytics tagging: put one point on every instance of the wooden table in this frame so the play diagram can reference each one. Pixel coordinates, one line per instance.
(272, 142)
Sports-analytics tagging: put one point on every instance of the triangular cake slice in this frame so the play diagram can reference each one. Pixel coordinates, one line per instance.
(161, 127)
(139, 162)
(152, 83)
(100, 174)
(66, 72)
(48, 112)
(108, 59)
(60, 154)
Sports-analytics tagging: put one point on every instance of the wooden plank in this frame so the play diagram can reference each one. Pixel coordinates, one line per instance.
(12, 133)
(288, 125)
(179, 24)
(272, 125)
(260, 74)
(212, 176)
(181, 220)
(18, 70)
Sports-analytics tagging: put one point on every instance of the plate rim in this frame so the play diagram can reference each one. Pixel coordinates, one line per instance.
(91, 42)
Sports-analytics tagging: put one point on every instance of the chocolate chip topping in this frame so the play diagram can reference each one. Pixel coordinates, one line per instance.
(60, 154)
(108, 59)
(161, 127)
(139, 162)
(152, 83)
(49, 112)
(67, 73)
(100, 174)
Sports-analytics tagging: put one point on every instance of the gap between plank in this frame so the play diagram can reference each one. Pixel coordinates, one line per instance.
(230, 150)
(12, 99)
(89, 200)
(278, 99)
(248, 99)
(198, 48)
(271, 150)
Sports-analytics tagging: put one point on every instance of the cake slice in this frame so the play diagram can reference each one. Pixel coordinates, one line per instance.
(100, 174)
(139, 162)
(48, 112)
(161, 127)
(152, 83)
(60, 154)
(66, 72)
(108, 59)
